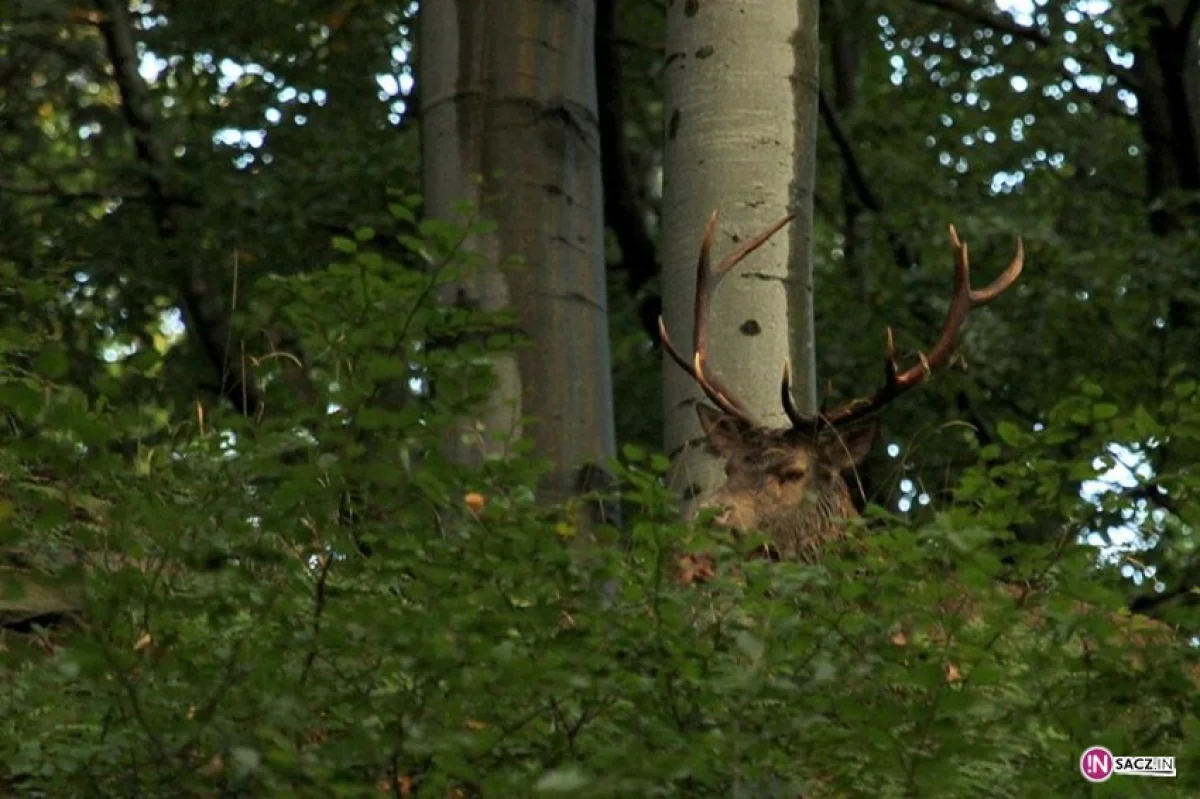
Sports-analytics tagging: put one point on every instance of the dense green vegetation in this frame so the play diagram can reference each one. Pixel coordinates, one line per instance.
(234, 560)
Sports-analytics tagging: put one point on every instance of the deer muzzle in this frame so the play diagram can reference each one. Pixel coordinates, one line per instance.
(729, 513)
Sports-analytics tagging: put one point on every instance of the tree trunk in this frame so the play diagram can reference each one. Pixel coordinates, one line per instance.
(845, 57)
(509, 124)
(741, 109)
(1169, 113)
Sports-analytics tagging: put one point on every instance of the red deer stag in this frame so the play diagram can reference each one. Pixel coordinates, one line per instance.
(787, 483)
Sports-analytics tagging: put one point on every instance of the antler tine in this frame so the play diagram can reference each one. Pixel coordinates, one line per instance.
(696, 370)
(962, 271)
(700, 307)
(709, 383)
(794, 415)
(890, 374)
(712, 387)
(734, 258)
(730, 261)
(961, 303)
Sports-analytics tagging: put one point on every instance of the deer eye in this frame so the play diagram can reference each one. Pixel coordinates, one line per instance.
(790, 475)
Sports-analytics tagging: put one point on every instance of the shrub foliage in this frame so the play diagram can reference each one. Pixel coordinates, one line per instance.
(315, 602)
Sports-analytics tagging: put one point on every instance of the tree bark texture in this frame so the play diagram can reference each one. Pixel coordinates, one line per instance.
(509, 124)
(741, 110)
(1169, 111)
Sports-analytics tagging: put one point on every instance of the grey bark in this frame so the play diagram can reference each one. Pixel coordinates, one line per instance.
(741, 110)
(509, 124)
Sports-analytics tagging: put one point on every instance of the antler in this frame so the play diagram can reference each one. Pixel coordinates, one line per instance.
(897, 382)
(697, 368)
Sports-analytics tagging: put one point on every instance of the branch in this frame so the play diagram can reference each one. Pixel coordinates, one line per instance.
(996, 21)
(1187, 580)
(858, 179)
(205, 322)
(64, 196)
(1004, 23)
(979, 425)
(849, 158)
(1102, 100)
(622, 212)
(1147, 604)
(1150, 492)
(1184, 28)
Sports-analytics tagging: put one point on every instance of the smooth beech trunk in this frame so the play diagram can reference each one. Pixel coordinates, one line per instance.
(741, 111)
(509, 124)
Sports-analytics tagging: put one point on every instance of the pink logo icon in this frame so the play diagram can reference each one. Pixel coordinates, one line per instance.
(1096, 763)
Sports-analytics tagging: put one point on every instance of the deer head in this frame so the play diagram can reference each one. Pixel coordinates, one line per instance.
(787, 483)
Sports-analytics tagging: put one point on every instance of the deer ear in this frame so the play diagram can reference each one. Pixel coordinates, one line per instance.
(726, 433)
(843, 449)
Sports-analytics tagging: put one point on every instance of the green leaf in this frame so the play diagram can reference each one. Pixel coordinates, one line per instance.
(370, 260)
(1144, 423)
(246, 759)
(633, 453)
(1010, 434)
(823, 669)
(1104, 410)
(343, 244)
(751, 646)
(144, 359)
(402, 212)
(562, 780)
(20, 399)
(364, 233)
(52, 361)
(413, 244)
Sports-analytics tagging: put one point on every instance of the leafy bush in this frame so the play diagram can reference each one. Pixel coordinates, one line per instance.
(318, 603)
